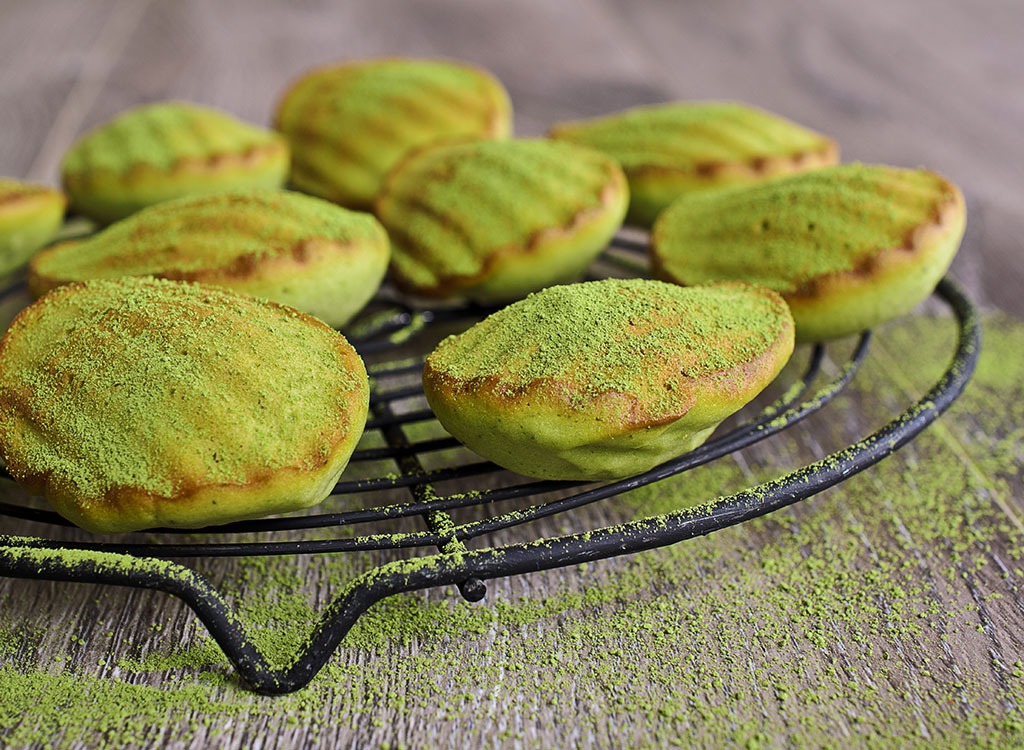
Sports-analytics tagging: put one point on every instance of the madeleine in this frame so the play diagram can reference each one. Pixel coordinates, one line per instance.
(668, 150)
(848, 247)
(494, 220)
(142, 403)
(606, 379)
(349, 124)
(157, 152)
(288, 247)
(30, 216)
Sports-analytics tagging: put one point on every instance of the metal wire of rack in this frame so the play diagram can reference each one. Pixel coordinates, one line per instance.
(447, 559)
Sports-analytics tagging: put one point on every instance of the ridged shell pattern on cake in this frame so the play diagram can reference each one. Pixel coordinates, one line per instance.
(787, 233)
(30, 216)
(163, 135)
(697, 135)
(456, 213)
(854, 243)
(349, 124)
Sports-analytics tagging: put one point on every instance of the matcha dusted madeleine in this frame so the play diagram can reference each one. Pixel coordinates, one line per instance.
(288, 247)
(495, 220)
(848, 247)
(667, 150)
(30, 216)
(348, 124)
(143, 403)
(606, 379)
(168, 150)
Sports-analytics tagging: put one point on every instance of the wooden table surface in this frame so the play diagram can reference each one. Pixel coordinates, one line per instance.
(886, 611)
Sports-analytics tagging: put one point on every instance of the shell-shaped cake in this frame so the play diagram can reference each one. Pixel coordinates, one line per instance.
(670, 149)
(349, 124)
(30, 216)
(142, 403)
(167, 150)
(292, 248)
(848, 247)
(606, 379)
(495, 220)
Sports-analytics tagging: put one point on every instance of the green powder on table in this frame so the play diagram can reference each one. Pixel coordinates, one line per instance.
(869, 583)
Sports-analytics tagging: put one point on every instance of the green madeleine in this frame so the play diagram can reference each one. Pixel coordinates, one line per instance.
(349, 124)
(167, 150)
(288, 247)
(138, 403)
(30, 216)
(848, 246)
(606, 379)
(667, 150)
(495, 220)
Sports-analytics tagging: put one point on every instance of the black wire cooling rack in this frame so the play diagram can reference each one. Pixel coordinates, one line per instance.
(385, 338)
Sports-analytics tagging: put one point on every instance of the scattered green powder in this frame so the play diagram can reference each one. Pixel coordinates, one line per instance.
(603, 336)
(872, 616)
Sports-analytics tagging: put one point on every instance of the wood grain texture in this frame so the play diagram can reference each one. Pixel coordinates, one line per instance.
(934, 84)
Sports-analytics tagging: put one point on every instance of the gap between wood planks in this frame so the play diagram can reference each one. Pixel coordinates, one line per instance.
(942, 431)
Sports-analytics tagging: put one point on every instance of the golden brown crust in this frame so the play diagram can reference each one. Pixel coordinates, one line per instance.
(292, 248)
(19, 198)
(533, 244)
(293, 261)
(757, 168)
(623, 413)
(185, 166)
(919, 242)
(495, 113)
(13, 201)
(494, 221)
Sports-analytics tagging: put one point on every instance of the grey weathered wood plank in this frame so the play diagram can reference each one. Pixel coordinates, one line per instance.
(47, 51)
